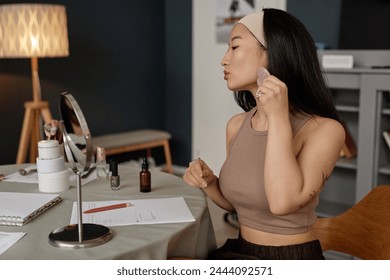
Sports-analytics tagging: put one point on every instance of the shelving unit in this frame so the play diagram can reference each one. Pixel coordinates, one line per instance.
(362, 97)
(383, 168)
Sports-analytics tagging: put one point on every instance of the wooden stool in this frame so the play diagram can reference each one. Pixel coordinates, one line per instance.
(142, 139)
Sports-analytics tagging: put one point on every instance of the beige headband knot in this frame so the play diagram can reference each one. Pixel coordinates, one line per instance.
(254, 22)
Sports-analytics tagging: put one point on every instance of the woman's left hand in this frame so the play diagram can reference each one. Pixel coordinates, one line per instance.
(273, 97)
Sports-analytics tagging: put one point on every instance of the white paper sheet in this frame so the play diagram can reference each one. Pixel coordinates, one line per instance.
(7, 239)
(142, 211)
(16, 177)
(33, 178)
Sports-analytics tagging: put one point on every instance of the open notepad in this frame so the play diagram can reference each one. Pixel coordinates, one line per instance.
(16, 209)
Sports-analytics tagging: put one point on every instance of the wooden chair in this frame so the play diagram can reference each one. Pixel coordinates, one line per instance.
(362, 231)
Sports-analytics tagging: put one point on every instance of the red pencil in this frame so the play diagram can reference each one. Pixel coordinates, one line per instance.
(109, 207)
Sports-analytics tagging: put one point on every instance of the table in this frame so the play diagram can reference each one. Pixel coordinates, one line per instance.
(158, 241)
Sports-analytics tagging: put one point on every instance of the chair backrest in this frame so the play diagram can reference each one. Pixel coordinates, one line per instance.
(363, 230)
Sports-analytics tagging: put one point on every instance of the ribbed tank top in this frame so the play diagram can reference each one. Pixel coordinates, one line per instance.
(241, 180)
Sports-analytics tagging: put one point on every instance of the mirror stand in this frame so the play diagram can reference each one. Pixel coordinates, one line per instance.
(78, 235)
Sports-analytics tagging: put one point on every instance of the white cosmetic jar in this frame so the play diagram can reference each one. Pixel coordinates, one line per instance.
(48, 149)
(50, 165)
(54, 182)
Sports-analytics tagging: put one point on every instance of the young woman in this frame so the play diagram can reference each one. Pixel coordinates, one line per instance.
(281, 150)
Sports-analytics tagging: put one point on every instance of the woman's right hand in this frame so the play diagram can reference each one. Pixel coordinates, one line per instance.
(199, 174)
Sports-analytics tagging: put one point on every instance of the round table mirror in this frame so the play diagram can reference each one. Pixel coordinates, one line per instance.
(79, 153)
(77, 137)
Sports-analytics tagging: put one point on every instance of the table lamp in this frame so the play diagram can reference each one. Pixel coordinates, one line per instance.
(32, 31)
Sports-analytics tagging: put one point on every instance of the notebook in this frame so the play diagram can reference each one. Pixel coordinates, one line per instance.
(16, 209)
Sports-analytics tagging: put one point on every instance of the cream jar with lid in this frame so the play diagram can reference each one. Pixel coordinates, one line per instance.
(53, 176)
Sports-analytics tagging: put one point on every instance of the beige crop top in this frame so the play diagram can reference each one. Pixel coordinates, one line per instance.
(242, 182)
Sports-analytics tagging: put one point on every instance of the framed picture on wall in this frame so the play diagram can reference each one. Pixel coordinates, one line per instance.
(228, 13)
(231, 11)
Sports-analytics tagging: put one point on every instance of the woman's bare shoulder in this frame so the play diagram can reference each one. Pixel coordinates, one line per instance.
(325, 127)
(233, 127)
(236, 121)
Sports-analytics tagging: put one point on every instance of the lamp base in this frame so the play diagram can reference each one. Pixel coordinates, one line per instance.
(31, 129)
(68, 236)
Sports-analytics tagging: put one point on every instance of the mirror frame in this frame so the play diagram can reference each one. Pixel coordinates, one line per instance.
(73, 153)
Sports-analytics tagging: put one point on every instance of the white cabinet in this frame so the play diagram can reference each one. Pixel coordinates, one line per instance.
(362, 97)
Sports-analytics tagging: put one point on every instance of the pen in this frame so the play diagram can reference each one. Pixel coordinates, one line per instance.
(109, 207)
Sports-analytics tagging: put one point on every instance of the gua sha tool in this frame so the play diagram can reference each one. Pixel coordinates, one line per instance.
(262, 73)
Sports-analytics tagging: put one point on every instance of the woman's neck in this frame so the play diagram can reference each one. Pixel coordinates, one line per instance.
(259, 120)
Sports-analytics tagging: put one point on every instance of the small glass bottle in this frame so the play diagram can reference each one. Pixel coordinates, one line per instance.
(101, 168)
(145, 177)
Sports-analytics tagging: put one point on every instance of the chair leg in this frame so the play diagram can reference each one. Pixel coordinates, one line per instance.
(149, 152)
(168, 158)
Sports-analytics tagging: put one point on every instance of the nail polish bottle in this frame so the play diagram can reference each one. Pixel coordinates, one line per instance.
(145, 177)
(114, 177)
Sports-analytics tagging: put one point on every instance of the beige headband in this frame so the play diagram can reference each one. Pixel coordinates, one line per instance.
(254, 22)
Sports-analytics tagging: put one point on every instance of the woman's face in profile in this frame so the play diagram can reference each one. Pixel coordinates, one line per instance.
(243, 57)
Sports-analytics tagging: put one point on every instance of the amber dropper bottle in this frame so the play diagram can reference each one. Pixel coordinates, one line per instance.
(145, 184)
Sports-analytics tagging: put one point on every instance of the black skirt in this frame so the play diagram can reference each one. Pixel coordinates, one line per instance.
(240, 249)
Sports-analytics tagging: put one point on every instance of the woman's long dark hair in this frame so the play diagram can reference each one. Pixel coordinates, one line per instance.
(292, 58)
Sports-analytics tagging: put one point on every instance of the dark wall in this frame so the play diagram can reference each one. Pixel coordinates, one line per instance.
(178, 38)
(345, 24)
(129, 67)
(321, 18)
(365, 24)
